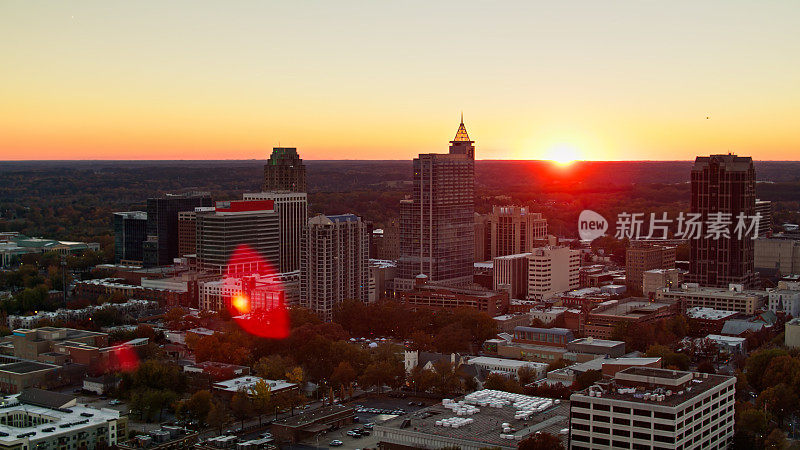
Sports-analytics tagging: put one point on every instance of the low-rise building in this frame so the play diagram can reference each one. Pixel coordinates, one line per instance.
(792, 333)
(482, 419)
(507, 322)
(729, 344)
(599, 347)
(735, 298)
(784, 300)
(508, 367)
(425, 295)
(643, 407)
(607, 366)
(653, 280)
(39, 419)
(710, 321)
(602, 320)
(247, 383)
(297, 428)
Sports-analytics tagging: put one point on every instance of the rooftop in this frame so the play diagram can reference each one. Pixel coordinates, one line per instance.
(22, 367)
(482, 423)
(709, 313)
(312, 416)
(597, 342)
(247, 382)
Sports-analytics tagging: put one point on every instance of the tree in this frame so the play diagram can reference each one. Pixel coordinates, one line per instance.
(261, 394)
(757, 364)
(526, 375)
(669, 358)
(240, 406)
(217, 416)
(272, 367)
(199, 404)
(421, 379)
(541, 441)
(586, 379)
(343, 376)
(706, 366)
(446, 377)
(780, 399)
(776, 440)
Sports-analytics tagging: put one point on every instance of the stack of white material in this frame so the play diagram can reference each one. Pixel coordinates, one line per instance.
(524, 404)
(461, 408)
(454, 422)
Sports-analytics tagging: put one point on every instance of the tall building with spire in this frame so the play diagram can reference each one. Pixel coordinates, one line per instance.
(437, 235)
(284, 171)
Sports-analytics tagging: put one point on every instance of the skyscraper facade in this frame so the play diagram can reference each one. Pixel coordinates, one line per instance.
(514, 230)
(335, 263)
(221, 230)
(284, 171)
(161, 246)
(130, 231)
(187, 233)
(292, 209)
(437, 236)
(724, 184)
(641, 257)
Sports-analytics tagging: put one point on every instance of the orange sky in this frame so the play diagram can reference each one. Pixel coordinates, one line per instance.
(388, 80)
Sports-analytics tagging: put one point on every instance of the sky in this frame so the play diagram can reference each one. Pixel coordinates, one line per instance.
(563, 80)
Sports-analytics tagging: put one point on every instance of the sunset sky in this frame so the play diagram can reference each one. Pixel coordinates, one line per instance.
(597, 80)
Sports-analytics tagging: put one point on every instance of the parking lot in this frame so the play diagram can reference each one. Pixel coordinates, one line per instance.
(368, 411)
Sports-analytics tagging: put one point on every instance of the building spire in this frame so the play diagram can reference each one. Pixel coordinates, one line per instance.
(461, 134)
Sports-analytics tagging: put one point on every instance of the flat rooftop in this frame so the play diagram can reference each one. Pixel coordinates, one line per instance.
(312, 416)
(486, 428)
(633, 308)
(597, 342)
(23, 367)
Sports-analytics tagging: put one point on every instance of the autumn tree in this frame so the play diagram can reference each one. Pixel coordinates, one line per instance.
(241, 406)
(541, 441)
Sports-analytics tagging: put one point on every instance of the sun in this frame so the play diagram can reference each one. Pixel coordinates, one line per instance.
(562, 154)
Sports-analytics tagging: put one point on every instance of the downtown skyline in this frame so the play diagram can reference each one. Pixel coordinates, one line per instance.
(355, 80)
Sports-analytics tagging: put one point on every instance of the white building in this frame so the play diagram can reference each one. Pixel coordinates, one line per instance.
(732, 299)
(552, 271)
(262, 291)
(246, 384)
(508, 367)
(381, 273)
(645, 407)
(292, 210)
(784, 300)
(37, 419)
(335, 263)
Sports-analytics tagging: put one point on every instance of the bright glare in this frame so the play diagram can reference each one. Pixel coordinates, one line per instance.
(241, 304)
(562, 154)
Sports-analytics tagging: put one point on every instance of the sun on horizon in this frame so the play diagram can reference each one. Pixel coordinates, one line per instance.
(562, 154)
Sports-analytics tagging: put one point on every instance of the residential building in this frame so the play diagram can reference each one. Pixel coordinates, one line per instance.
(292, 210)
(708, 320)
(40, 419)
(723, 187)
(552, 271)
(250, 226)
(161, 246)
(602, 320)
(653, 280)
(640, 258)
(510, 273)
(187, 233)
(284, 171)
(437, 229)
(334, 263)
(646, 407)
(470, 423)
(734, 298)
(264, 292)
(130, 231)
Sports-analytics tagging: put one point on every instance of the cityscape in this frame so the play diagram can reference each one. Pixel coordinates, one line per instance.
(429, 292)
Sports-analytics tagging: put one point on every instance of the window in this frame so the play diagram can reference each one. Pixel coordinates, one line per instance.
(578, 404)
(641, 412)
(601, 441)
(602, 407)
(578, 415)
(580, 426)
(664, 438)
(600, 418)
(645, 436)
(618, 432)
(601, 430)
(640, 424)
(619, 421)
(662, 427)
(621, 410)
(662, 415)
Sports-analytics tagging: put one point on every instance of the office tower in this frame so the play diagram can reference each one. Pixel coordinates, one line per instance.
(483, 238)
(510, 273)
(387, 242)
(130, 231)
(641, 257)
(221, 231)
(161, 246)
(284, 171)
(722, 185)
(292, 209)
(764, 209)
(335, 263)
(552, 271)
(514, 230)
(187, 233)
(437, 236)
(647, 407)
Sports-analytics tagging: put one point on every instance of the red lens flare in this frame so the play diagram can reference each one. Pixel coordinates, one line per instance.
(123, 358)
(255, 295)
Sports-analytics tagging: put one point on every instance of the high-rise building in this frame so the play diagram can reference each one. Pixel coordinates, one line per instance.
(221, 231)
(161, 246)
(437, 236)
(514, 230)
(387, 242)
(764, 209)
(723, 187)
(647, 407)
(335, 263)
(641, 257)
(483, 238)
(130, 231)
(552, 270)
(187, 233)
(292, 209)
(510, 273)
(284, 171)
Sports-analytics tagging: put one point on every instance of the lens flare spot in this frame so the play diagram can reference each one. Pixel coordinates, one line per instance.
(241, 304)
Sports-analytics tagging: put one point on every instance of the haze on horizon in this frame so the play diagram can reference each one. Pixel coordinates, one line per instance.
(387, 80)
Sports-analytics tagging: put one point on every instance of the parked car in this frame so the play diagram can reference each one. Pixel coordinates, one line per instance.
(336, 443)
